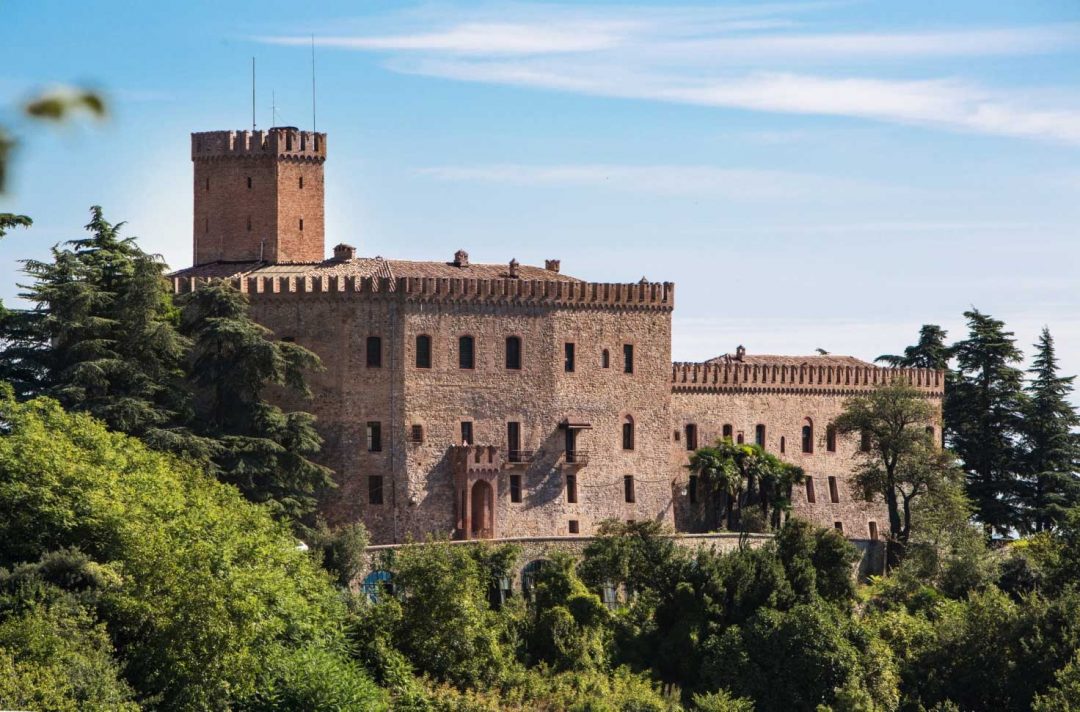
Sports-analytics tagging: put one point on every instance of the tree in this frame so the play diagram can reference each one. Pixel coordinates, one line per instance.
(1050, 484)
(260, 448)
(208, 589)
(102, 337)
(732, 476)
(930, 352)
(983, 411)
(902, 463)
(11, 220)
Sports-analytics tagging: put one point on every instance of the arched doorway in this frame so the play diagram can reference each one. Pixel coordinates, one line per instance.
(483, 516)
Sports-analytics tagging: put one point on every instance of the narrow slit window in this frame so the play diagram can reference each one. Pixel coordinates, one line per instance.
(834, 492)
(249, 223)
(691, 437)
(513, 353)
(691, 489)
(808, 436)
(301, 182)
(249, 182)
(466, 432)
(301, 224)
(208, 183)
(830, 438)
(759, 435)
(466, 352)
(811, 496)
(515, 489)
(568, 357)
(628, 433)
(374, 352)
(423, 351)
(628, 488)
(628, 358)
(571, 489)
(375, 489)
(783, 444)
(374, 436)
(873, 531)
(605, 359)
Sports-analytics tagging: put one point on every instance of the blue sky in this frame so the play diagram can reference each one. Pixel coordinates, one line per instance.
(810, 174)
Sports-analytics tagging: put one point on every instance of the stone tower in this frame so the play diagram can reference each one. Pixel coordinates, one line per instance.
(258, 196)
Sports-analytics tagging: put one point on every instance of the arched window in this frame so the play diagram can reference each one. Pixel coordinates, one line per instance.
(808, 435)
(759, 434)
(376, 584)
(830, 438)
(605, 359)
(628, 433)
(466, 352)
(529, 574)
(739, 438)
(513, 353)
(423, 351)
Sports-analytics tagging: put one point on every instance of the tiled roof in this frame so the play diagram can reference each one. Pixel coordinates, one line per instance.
(370, 267)
(775, 360)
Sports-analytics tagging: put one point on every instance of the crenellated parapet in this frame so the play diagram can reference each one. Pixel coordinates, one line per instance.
(279, 142)
(643, 295)
(827, 379)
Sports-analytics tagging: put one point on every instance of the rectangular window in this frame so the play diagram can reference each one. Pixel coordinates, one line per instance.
(759, 434)
(810, 496)
(830, 438)
(515, 488)
(513, 353)
(834, 494)
(249, 182)
(374, 352)
(628, 488)
(574, 529)
(691, 437)
(466, 352)
(628, 358)
(691, 489)
(374, 489)
(416, 435)
(568, 357)
(466, 432)
(374, 436)
(513, 441)
(423, 351)
(873, 531)
(301, 182)
(571, 489)
(838, 526)
(864, 441)
(726, 431)
(301, 224)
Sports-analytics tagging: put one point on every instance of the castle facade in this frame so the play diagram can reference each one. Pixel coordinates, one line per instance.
(504, 400)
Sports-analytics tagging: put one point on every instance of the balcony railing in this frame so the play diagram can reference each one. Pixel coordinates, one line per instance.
(518, 457)
(579, 458)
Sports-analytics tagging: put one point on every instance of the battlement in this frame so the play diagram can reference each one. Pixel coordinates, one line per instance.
(477, 459)
(642, 295)
(280, 142)
(831, 379)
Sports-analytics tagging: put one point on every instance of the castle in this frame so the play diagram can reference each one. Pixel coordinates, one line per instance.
(504, 400)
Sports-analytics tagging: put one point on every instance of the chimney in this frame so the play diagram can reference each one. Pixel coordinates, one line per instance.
(344, 252)
(551, 265)
(513, 269)
(461, 258)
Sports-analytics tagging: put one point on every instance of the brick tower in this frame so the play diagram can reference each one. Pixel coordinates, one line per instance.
(258, 195)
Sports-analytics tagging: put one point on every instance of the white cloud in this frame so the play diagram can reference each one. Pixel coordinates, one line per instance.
(741, 57)
(699, 181)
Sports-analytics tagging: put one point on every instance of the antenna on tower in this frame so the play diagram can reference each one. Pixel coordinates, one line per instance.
(252, 95)
(313, 83)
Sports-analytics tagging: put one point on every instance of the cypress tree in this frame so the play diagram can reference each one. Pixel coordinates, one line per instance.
(260, 448)
(1051, 484)
(983, 416)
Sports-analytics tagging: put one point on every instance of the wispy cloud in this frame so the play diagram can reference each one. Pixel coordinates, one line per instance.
(744, 57)
(675, 180)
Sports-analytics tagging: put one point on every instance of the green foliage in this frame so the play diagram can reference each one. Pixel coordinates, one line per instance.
(817, 562)
(447, 628)
(54, 655)
(930, 352)
(721, 701)
(569, 628)
(733, 477)
(983, 408)
(1050, 484)
(210, 587)
(341, 549)
(261, 449)
(11, 220)
(1064, 696)
(311, 678)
